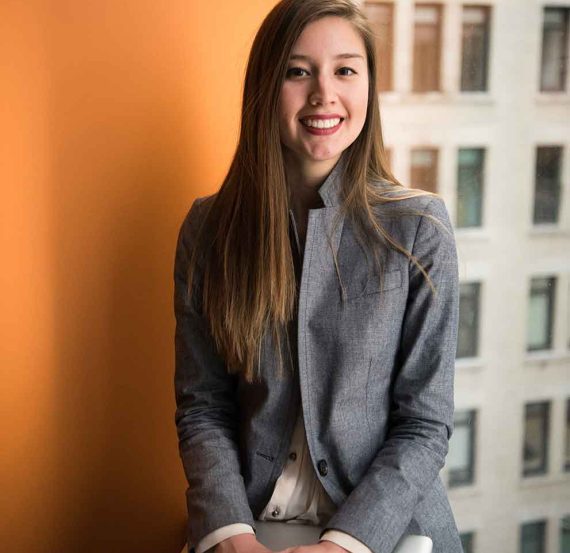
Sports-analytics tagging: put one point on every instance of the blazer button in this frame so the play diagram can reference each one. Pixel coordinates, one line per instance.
(323, 467)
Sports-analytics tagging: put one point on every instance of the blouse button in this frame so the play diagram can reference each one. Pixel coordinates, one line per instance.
(276, 512)
(292, 456)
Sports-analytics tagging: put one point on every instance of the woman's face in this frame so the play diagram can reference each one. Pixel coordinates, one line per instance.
(322, 106)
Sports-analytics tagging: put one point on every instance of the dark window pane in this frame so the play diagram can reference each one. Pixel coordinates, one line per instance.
(567, 456)
(547, 184)
(554, 49)
(381, 17)
(467, 542)
(424, 169)
(468, 333)
(475, 47)
(535, 451)
(565, 534)
(427, 47)
(470, 187)
(532, 537)
(460, 459)
(540, 313)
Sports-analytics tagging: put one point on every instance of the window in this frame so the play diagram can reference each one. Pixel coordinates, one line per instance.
(424, 169)
(547, 184)
(475, 48)
(468, 333)
(535, 452)
(427, 47)
(554, 50)
(467, 539)
(470, 187)
(565, 534)
(567, 455)
(541, 313)
(381, 17)
(460, 459)
(532, 537)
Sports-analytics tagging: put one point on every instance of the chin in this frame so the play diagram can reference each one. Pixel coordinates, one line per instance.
(326, 157)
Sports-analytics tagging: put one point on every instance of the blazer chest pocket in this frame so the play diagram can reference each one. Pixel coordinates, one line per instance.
(372, 283)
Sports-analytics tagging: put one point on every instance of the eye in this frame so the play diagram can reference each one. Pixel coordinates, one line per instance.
(347, 69)
(295, 72)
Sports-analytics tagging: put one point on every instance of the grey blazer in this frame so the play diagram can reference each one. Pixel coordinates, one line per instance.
(375, 383)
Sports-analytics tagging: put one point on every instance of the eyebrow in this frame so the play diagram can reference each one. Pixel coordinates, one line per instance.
(339, 56)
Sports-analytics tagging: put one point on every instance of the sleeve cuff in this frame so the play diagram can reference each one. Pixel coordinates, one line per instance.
(346, 541)
(220, 534)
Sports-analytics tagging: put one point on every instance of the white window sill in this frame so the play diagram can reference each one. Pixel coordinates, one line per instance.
(437, 97)
(553, 98)
(540, 480)
(483, 97)
(546, 356)
(548, 229)
(471, 364)
(471, 233)
(463, 492)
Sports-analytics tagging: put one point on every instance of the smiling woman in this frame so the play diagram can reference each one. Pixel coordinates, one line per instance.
(316, 301)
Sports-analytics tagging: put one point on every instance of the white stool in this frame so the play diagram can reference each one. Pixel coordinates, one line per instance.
(280, 535)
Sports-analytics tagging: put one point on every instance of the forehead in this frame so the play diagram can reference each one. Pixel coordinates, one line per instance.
(329, 36)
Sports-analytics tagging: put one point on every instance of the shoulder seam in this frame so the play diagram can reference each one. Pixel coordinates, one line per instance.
(420, 223)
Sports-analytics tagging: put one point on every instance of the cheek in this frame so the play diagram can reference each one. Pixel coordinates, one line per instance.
(363, 101)
(286, 104)
(357, 102)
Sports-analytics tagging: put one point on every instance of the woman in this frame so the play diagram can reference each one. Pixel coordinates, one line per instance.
(316, 302)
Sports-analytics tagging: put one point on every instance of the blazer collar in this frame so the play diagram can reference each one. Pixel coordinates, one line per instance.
(331, 189)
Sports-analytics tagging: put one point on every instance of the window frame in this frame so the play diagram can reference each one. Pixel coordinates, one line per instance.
(550, 319)
(487, 9)
(390, 4)
(465, 477)
(564, 79)
(434, 151)
(545, 406)
(559, 148)
(477, 286)
(416, 86)
(542, 524)
(482, 150)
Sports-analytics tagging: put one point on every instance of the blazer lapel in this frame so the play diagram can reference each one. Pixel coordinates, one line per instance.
(331, 194)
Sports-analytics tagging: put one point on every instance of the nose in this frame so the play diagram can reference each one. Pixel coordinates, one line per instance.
(322, 91)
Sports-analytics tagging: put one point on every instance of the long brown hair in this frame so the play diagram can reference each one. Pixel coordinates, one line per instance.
(248, 282)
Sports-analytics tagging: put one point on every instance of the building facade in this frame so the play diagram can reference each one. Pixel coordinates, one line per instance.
(475, 101)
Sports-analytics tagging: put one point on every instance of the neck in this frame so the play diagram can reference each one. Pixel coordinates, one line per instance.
(304, 180)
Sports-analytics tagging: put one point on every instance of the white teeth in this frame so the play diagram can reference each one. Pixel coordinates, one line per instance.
(321, 123)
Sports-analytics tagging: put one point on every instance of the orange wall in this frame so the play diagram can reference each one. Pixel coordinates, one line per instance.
(115, 115)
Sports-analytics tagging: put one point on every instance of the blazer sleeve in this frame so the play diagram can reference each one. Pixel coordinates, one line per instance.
(379, 509)
(206, 411)
(225, 532)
